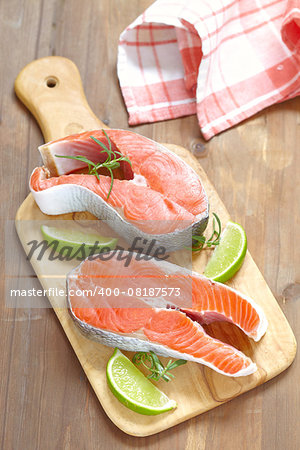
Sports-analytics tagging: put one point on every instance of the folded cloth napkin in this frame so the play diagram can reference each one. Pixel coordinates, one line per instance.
(224, 60)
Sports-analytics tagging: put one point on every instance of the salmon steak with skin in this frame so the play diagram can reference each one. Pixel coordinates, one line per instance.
(112, 302)
(157, 196)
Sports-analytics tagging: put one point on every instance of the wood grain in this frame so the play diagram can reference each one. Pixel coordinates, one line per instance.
(255, 169)
(195, 389)
(51, 88)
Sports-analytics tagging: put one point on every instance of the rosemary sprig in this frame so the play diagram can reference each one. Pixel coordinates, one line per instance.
(214, 238)
(112, 161)
(157, 370)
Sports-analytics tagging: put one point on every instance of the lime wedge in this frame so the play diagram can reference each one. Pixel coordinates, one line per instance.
(74, 240)
(229, 255)
(133, 389)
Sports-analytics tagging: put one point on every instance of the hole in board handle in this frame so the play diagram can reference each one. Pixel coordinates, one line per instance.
(51, 82)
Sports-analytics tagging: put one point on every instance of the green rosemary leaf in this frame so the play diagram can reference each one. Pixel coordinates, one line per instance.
(156, 367)
(111, 183)
(177, 363)
(99, 143)
(112, 161)
(200, 242)
(108, 140)
(78, 158)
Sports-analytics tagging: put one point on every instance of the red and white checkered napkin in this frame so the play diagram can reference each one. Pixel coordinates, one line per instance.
(222, 59)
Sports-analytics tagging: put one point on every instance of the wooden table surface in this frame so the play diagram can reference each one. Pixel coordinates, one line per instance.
(46, 401)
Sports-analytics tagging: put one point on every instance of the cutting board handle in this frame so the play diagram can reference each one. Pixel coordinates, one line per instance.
(51, 88)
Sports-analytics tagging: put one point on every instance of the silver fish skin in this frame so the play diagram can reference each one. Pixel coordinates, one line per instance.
(71, 198)
(137, 341)
(133, 344)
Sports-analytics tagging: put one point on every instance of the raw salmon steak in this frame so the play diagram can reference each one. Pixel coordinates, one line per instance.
(158, 196)
(156, 305)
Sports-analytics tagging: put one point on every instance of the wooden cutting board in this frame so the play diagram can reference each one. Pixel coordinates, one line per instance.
(51, 89)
